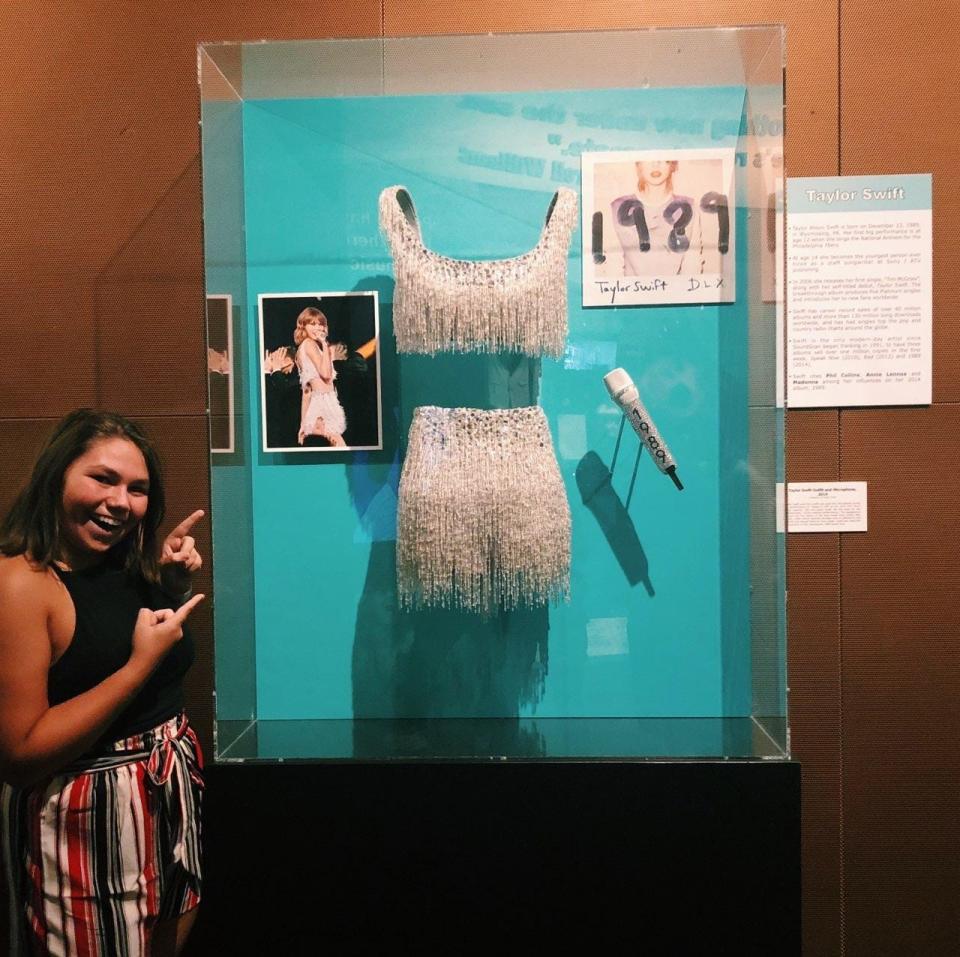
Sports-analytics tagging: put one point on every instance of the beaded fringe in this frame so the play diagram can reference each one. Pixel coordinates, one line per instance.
(483, 520)
(513, 305)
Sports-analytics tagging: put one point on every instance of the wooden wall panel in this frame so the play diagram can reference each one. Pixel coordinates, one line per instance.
(916, 914)
(45, 341)
(814, 673)
(900, 621)
(149, 310)
(21, 441)
(146, 335)
(98, 164)
(901, 647)
(900, 103)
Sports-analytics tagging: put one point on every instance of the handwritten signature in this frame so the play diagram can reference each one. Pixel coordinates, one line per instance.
(622, 287)
(618, 287)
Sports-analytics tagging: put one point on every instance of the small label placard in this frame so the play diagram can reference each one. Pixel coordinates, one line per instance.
(827, 507)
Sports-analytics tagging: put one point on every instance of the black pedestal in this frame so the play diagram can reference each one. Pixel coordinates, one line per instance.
(645, 857)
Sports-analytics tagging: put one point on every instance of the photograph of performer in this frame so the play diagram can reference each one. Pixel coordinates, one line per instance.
(320, 410)
(321, 372)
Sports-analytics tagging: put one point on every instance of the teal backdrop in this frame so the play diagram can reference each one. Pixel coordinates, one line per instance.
(330, 642)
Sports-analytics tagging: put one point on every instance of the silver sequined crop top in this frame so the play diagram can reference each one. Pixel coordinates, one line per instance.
(459, 305)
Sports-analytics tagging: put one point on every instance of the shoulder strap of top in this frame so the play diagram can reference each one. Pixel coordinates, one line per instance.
(398, 215)
(561, 217)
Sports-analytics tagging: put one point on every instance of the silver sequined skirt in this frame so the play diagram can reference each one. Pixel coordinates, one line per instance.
(483, 520)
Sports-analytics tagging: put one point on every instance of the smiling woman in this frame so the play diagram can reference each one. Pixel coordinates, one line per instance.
(100, 807)
(106, 492)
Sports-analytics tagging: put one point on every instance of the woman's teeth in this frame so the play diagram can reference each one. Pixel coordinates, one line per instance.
(106, 523)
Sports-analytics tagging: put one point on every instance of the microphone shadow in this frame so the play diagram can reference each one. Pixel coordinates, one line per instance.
(598, 494)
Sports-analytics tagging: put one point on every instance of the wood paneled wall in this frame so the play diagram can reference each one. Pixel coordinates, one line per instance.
(101, 303)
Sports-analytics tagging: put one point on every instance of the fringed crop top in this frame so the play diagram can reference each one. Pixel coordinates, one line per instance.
(458, 305)
(306, 368)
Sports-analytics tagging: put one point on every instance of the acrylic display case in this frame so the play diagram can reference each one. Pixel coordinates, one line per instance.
(672, 643)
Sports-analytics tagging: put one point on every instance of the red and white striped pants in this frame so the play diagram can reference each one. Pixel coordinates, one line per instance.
(95, 857)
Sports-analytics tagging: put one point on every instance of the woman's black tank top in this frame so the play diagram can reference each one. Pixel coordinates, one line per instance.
(107, 601)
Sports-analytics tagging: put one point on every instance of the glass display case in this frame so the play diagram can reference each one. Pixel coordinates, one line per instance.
(397, 228)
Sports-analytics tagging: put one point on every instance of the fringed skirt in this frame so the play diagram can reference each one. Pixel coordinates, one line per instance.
(483, 521)
(324, 406)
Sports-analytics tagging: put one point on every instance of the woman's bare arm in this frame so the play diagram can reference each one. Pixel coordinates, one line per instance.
(35, 738)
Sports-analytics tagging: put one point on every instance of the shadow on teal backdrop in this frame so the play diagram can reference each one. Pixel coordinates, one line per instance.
(658, 622)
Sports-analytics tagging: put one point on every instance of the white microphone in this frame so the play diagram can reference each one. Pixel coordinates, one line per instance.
(627, 396)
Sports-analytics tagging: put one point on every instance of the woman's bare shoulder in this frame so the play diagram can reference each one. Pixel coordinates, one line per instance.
(29, 602)
(21, 578)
